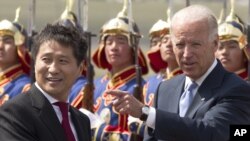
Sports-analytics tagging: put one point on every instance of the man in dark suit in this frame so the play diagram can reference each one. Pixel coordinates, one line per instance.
(201, 104)
(37, 115)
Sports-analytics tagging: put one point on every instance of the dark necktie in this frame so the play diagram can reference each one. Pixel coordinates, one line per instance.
(186, 99)
(65, 120)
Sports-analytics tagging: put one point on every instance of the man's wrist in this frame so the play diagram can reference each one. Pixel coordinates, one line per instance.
(144, 113)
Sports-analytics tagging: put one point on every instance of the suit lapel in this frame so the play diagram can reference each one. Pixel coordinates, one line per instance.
(205, 91)
(197, 102)
(178, 92)
(47, 114)
(172, 93)
(78, 126)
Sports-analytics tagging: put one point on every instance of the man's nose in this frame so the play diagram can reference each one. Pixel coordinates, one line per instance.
(187, 51)
(224, 51)
(53, 68)
(113, 45)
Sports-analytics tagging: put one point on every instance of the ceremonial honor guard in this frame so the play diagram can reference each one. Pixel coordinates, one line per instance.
(162, 59)
(116, 54)
(232, 51)
(14, 60)
(69, 19)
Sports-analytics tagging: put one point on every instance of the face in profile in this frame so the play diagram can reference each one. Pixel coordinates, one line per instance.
(118, 52)
(193, 48)
(56, 69)
(166, 49)
(8, 52)
(231, 56)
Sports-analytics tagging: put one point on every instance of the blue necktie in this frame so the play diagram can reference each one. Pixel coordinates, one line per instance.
(186, 99)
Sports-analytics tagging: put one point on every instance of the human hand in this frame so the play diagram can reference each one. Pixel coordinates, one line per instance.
(125, 103)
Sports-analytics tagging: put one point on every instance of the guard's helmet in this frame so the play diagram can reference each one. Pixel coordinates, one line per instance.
(68, 19)
(233, 29)
(9, 29)
(159, 29)
(118, 25)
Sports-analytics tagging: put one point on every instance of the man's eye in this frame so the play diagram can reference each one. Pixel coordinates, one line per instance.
(8, 41)
(195, 45)
(64, 61)
(232, 46)
(122, 41)
(164, 39)
(220, 47)
(179, 45)
(108, 42)
(45, 59)
(153, 43)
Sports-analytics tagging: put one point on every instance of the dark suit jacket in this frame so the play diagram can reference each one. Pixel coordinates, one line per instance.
(30, 117)
(222, 99)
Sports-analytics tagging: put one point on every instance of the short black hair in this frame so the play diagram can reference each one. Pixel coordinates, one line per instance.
(66, 36)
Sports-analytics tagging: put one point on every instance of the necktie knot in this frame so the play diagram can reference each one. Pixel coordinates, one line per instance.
(192, 86)
(63, 107)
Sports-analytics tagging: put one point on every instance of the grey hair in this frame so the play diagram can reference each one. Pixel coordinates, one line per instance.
(197, 13)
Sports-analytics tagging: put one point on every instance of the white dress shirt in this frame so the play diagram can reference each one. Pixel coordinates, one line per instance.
(57, 110)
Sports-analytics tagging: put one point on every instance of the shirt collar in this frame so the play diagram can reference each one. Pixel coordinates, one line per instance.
(50, 98)
(200, 80)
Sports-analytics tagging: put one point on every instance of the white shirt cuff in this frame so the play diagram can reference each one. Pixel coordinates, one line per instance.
(151, 118)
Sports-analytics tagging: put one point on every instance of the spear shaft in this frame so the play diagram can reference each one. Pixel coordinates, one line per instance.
(248, 39)
(88, 91)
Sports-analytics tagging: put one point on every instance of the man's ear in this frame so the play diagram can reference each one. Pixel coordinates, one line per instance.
(82, 66)
(216, 42)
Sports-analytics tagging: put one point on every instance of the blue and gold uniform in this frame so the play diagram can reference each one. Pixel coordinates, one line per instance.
(13, 81)
(153, 82)
(76, 93)
(15, 78)
(115, 126)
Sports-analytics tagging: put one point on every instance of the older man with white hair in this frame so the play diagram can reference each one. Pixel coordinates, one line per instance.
(201, 103)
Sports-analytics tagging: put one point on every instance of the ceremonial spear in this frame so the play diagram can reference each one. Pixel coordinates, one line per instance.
(88, 91)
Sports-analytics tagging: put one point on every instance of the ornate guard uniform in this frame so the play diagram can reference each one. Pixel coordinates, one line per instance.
(158, 65)
(15, 79)
(115, 126)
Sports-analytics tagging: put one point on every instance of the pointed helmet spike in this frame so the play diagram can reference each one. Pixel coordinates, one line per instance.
(233, 29)
(221, 16)
(70, 4)
(124, 11)
(68, 8)
(168, 15)
(231, 16)
(17, 14)
(232, 6)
